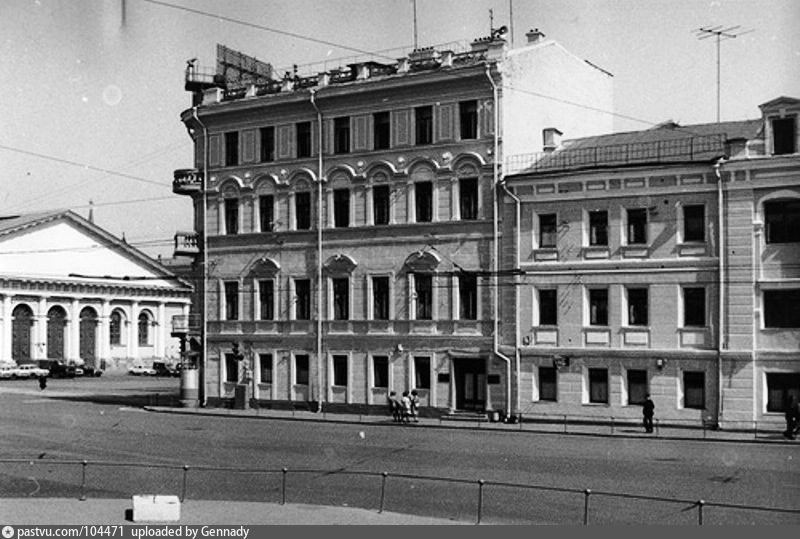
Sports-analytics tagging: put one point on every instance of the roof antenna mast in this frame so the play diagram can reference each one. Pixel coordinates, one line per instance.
(720, 33)
(414, 4)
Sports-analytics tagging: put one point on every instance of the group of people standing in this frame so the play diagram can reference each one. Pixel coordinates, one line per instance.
(406, 408)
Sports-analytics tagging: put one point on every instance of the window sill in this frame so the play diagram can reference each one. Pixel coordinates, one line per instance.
(692, 249)
(595, 252)
(546, 254)
(635, 251)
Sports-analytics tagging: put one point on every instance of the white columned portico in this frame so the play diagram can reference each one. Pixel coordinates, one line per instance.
(161, 331)
(5, 339)
(74, 331)
(133, 331)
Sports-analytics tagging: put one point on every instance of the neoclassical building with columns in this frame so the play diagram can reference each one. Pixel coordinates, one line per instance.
(71, 291)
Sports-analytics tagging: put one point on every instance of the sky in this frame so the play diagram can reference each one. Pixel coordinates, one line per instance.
(92, 90)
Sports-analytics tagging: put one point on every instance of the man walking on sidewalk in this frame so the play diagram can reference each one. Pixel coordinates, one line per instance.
(648, 410)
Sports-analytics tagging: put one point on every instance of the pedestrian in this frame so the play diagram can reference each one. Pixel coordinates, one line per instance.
(791, 419)
(394, 406)
(415, 405)
(648, 410)
(406, 407)
(42, 381)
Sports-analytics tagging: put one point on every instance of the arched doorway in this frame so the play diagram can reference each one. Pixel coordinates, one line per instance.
(88, 337)
(56, 324)
(21, 329)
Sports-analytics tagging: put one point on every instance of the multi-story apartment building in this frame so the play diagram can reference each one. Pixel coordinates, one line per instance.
(346, 221)
(664, 261)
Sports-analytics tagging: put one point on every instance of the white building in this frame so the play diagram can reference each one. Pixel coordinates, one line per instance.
(72, 291)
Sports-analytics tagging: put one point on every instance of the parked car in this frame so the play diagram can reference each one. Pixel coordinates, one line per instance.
(141, 370)
(7, 370)
(166, 369)
(59, 369)
(92, 370)
(30, 371)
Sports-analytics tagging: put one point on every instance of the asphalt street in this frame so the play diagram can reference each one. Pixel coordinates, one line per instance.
(232, 458)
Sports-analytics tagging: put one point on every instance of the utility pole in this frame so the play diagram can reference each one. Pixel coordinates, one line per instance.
(720, 33)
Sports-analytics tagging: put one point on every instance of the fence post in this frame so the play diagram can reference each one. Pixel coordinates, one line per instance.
(84, 464)
(183, 489)
(283, 486)
(700, 504)
(586, 494)
(384, 475)
(481, 482)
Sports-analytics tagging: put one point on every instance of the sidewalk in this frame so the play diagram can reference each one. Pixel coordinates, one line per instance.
(623, 430)
(61, 511)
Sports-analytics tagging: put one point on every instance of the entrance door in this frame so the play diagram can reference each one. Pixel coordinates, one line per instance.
(21, 329)
(470, 377)
(88, 330)
(56, 322)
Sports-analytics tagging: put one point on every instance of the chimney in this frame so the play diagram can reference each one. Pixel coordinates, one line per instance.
(534, 36)
(552, 138)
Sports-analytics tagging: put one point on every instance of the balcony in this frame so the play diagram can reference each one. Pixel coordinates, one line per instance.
(186, 244)
(187, 181)
(186, 324)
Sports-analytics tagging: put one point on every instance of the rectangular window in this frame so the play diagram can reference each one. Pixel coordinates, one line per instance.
(423, 288)
(598, 386)
(302, 213)
(341, 135)
(380, 204)
(422, 372)
(468, 115)
(266, 299)
(232, 300)
(267, 135)
(468, 198)
(782, 389)
(637, 226)
(301, 369)
(423, 201)
(637, 387)
(231, 368)
(340, 370)
(231, 216)
(381, 130)
(784, 136)
(694, 307)
(782, 221)
(598, 307)
(302, 297)
(380, 298)
(232, 149)
(782, 308)
(694, 390)
(341, 208)
(548, 384)
(598, 228)
(547, 231)
(266, 212)
(265, 363)
(694, 223)
(637, 307)
(341, 298)
(424, 125)
(548, 307)
(380, 371)
(468, 297)
(303, 132)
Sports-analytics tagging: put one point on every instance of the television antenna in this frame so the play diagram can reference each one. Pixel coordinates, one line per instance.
(720, 32)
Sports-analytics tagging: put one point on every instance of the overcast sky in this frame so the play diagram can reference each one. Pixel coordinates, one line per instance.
(88, 86)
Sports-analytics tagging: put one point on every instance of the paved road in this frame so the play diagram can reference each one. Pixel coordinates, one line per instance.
(68, 421)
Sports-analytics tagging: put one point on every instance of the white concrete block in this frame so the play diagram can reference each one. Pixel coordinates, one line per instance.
(156, 508)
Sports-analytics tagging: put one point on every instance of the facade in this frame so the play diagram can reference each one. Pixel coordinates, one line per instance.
(662, 261)
(71, 291)
(346, 222)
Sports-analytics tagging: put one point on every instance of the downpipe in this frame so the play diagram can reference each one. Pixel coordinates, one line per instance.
(319, 251)
(517, 359)
(721, 343)
(204, 262)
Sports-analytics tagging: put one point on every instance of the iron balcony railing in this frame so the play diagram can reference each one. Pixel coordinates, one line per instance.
(662, 151)
(187, 181)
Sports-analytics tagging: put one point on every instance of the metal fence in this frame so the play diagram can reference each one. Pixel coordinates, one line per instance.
(480, 501)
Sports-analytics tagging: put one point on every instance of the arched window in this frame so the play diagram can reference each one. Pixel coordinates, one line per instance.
(144, 328)
(115, 329)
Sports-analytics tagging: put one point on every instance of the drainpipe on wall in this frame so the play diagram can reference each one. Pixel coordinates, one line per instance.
(319, 252)
(721, 343)
(203, 263)
(496, 234)
(518, 223)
